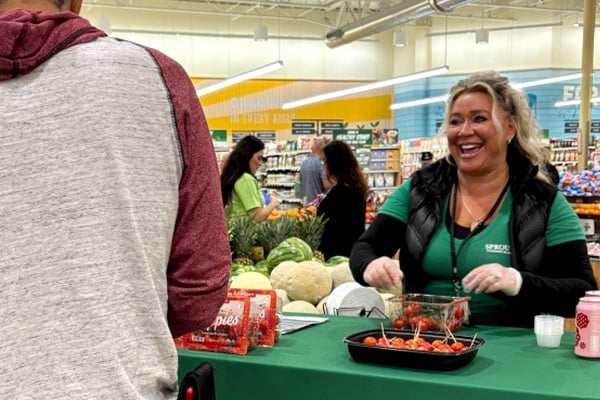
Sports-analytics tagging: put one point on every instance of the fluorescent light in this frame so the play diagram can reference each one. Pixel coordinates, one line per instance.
(420, 102)
(363, 88)
(546, 81)
(539, 82)
(265, 69)
(575, 102)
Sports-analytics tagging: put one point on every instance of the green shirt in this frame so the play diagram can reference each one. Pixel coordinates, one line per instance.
(246, 195)
(491, 245)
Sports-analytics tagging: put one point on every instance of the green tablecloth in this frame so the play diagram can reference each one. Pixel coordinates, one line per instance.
(314, 364)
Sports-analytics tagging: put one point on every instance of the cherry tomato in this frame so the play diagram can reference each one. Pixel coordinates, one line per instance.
(459, 313)
(452, 324)
(370, 340)
(444, 348)
(457, 346)
(423, 324)
(263, 325)
(399, 323)
(411, 310)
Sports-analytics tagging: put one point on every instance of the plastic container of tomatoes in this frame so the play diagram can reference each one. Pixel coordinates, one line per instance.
(263, 312)
(428, 312)
(412, 357)
(232, 331)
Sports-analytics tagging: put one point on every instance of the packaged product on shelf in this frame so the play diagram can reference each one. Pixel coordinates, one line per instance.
(263, 310)
(231, 331)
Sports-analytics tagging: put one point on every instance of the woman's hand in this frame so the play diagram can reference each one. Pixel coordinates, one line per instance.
(275, 201)
(384, 273)
(491, 278)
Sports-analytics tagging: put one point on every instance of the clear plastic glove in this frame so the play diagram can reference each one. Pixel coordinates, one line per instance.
(490, 278)
(383, 273)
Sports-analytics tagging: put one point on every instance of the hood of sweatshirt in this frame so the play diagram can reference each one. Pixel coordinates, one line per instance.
(31, 37)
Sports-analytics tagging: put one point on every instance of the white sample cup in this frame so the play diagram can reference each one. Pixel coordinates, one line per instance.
(548, 330)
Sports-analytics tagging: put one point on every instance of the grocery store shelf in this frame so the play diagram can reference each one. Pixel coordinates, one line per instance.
(282, 169)
(283, 184)
(291, 200)
(287, 153)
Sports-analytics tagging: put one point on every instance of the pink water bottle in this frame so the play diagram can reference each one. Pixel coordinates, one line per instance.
(587, 327)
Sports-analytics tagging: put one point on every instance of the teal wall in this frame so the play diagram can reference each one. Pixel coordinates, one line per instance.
(421, 121)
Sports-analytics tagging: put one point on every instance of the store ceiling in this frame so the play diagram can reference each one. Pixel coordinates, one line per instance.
(333, 15)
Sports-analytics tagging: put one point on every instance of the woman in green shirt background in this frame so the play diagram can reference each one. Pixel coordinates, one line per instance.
(239, 187)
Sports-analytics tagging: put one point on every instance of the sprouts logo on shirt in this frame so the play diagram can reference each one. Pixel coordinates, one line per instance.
(497, 248)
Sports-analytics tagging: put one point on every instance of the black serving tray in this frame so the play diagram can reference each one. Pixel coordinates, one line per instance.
(411, 358)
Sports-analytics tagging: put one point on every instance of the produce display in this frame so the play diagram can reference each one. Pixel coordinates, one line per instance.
(303, 281)
(289, 265)
(291, 249)
(584, 183)
(306, 280)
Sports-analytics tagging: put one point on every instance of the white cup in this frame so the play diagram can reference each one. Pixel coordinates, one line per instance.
(548, 330)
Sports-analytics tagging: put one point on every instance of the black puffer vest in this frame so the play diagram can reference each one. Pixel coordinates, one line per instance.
(532, 200)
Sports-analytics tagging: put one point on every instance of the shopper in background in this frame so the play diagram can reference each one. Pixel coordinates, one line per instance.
(113, 235)
(239, 188)
(484, 221)
(344, 206)
(312, 177)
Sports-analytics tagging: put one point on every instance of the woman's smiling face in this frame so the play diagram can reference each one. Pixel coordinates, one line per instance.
(477, 141)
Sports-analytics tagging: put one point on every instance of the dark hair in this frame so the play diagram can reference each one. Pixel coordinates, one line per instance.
(237, 163)
(343, 166)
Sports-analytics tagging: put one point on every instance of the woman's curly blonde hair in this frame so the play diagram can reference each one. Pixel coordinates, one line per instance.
(505, 97)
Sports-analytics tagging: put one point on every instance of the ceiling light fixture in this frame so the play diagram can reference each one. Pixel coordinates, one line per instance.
(516, 85)
(265, 69)
(482, 36)
(363, 88)
(399, 39)
(261, 33)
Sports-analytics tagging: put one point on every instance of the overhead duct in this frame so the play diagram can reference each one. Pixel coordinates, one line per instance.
(389, 18)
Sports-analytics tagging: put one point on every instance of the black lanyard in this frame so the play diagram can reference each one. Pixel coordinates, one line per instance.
(453, 252)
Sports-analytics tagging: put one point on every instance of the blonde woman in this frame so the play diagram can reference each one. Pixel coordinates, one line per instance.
(485, 220)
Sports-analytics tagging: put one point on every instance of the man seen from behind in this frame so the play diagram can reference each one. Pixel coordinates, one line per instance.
(113, 233)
